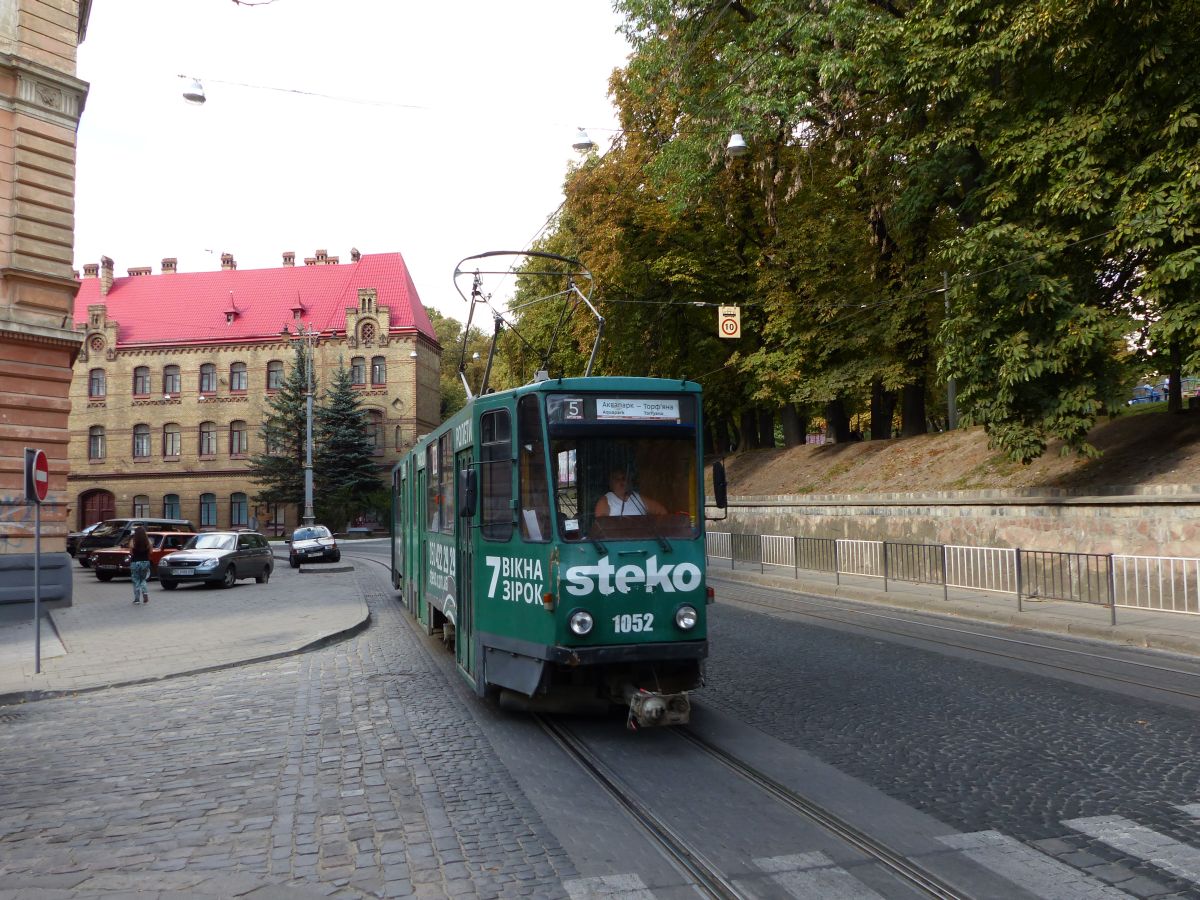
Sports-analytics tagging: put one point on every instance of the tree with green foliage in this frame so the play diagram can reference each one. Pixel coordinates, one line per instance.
(346, 471)
(279, 469)
(449, 333)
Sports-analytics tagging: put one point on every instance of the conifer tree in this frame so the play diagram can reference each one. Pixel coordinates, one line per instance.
(279, 470)
(346, 473)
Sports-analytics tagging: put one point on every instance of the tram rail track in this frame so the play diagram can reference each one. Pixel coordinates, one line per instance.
(707, 877)
(822, 613)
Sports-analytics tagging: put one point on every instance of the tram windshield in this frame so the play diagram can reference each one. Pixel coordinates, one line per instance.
(623, 468)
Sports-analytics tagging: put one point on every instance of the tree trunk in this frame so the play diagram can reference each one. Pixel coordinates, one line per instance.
(748, 423)
(1175, 384)
(766, 428)
(883, 410)
(912, 414)
(795, 426)
(837, 423)
(721, 436)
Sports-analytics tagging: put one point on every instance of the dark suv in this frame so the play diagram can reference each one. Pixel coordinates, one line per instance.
(111, 532)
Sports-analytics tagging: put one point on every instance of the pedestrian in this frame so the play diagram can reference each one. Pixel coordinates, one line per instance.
(139, 565)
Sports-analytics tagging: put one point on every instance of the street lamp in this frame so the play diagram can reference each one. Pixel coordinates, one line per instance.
(308, 335)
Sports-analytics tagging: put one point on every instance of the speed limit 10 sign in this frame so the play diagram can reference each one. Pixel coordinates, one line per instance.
(729, 321)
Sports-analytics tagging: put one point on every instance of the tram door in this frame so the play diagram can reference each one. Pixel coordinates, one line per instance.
(464, 638)
(421, 568)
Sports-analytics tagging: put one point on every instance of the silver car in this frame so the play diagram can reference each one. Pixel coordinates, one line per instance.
(218, 557)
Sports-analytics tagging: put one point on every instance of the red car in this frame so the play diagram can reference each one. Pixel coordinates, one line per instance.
(113, 562)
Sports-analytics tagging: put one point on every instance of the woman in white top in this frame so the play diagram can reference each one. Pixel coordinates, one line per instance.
(620, 501)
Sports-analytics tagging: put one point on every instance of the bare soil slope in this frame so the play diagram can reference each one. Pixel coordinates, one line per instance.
(1138, 450)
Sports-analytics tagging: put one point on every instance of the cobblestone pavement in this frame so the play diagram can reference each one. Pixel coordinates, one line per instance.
(352, 770)
(978, 746)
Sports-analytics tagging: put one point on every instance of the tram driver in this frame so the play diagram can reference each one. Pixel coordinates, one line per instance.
(622, 501)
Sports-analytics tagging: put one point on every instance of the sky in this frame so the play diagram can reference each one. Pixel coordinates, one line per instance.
(450, 136)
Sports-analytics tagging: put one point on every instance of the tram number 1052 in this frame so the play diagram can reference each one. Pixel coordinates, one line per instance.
(623, 624)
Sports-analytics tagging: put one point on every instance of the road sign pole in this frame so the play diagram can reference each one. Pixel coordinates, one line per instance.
(37, 588)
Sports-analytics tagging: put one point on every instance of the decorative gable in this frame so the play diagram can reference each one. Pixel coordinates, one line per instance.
(100, 334)
(368, 324)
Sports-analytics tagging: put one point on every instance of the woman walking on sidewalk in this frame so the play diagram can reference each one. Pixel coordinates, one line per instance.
(139, 565)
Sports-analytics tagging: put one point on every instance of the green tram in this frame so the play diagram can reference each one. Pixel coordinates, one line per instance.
(554, 535)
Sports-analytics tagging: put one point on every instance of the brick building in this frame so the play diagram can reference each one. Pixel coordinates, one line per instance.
(171, 386)
(40, 104)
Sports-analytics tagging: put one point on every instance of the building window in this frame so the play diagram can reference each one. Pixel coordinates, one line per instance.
(239, 438)
(358, 370)
(171, 439)
(171, 507)
(208, 379)
(208, 510)
(96, 384)
(96, 442)
(378, 370)
(141, 506)
(141, 381)
(239, 511)
(274, 375)
(171, 380)
(208, 438)
(237, 377)
(141, 442)
(375, 430)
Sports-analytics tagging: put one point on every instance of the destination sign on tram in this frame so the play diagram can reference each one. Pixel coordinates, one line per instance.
(568, 410)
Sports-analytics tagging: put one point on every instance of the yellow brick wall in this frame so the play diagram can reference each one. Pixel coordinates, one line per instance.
(404, 404)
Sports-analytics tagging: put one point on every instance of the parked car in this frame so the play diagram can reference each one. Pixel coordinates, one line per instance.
(111, 532)
(312, 542)
(114, 562)
(74, 537)
(1145, 393)
(218, 557)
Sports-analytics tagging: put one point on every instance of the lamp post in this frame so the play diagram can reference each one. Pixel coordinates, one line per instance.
(308, 335)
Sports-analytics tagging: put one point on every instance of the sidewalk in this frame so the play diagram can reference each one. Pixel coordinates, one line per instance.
(103, 640)
(1171, 632)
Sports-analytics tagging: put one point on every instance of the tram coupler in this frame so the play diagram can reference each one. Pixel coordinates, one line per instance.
(648, 708)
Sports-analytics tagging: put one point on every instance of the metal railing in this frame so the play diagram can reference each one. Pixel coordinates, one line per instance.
(1155, 583)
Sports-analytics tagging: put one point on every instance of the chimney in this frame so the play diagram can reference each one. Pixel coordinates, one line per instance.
(310, 261)
(139, 270)
(289, 258)
(355, 256)
(321, 255)
(106, 275)
(91, 270)
(331, 261)
(169, 265)
(228, 263)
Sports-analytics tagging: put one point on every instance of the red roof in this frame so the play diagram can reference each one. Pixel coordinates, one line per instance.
(191, 306)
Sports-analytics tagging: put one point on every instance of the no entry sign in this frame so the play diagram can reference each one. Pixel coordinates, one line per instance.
(37, 475)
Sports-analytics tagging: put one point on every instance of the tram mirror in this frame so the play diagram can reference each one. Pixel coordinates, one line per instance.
(466, 493)
(719, 485)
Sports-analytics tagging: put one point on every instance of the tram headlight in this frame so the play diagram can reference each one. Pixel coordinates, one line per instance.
(686, 617)
(581, 622)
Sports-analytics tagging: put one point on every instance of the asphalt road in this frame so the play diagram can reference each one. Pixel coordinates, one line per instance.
(367, 768)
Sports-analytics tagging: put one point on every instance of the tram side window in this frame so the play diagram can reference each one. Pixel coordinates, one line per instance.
(495, 430)
(433, 494)
(446, 482)
(535, 489)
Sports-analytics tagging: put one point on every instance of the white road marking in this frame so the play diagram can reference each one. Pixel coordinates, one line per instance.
(623, 887)
(1029, 868)
(815, 875)
(1129, 837)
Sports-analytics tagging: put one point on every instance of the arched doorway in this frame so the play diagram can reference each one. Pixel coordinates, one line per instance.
(96, 506)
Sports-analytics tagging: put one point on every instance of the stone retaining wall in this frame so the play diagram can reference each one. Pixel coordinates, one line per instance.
(1158, 523)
